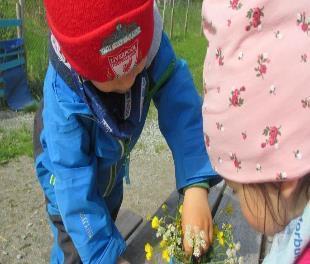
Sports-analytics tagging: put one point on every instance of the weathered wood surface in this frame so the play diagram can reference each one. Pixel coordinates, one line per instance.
(135, 251)
(249, 239)
(252, 247)
(127, 222)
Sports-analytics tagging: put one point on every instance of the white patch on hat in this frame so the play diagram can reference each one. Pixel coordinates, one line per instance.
(123, 62)
(122, 35)
(58, 52)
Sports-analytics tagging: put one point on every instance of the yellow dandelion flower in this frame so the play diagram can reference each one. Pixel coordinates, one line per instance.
(164, 207)
(215, 230)
(155, 222)
(181, 209)
(220, 237)
(162, 244)
(149, 256)
(165, 255)
(149, 251)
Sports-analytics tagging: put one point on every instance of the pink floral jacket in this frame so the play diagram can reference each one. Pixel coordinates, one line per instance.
(257, 88)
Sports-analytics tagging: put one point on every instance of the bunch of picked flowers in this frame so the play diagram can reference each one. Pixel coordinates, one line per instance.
(168, 229)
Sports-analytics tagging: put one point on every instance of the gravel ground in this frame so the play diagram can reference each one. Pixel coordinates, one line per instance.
(24, 233)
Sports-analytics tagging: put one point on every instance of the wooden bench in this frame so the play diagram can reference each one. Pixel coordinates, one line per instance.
(137, 233)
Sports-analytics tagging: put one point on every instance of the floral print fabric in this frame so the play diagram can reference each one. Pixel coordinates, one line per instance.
(257, 89)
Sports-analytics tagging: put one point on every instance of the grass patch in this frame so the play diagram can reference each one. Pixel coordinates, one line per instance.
(15, 143)
(193, 50)
(191, 46)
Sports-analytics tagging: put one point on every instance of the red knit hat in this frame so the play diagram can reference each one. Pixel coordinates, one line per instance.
(102, 39)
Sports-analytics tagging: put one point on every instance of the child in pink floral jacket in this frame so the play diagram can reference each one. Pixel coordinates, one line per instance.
(257, 113)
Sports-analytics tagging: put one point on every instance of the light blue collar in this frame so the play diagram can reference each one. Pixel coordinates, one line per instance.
(290, 243)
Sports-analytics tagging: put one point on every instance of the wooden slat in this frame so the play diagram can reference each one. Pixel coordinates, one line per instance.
(249, 239)
(135, 250)
(215, 196)
(11, 64)
(127, 222)
(10, 22)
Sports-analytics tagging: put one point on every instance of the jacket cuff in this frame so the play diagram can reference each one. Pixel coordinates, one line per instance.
(203, 184)
(195, 170)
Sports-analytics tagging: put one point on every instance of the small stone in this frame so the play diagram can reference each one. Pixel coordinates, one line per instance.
(24, 237)
(5, 253)
(29, 225)
(19, 256)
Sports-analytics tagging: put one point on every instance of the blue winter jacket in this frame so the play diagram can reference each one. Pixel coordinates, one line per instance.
(80, 162)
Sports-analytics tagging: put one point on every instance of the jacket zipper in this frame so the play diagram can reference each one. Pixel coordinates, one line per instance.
(126, 160)
(112, 179)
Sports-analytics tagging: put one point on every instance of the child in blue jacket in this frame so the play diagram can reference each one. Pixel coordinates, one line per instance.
(108, 60)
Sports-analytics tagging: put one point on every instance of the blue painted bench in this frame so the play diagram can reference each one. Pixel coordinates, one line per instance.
(11, 51)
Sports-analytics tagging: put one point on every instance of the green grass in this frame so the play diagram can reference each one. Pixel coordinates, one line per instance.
(192, 45)
(193, 50)
(36, 36)
(14, 143)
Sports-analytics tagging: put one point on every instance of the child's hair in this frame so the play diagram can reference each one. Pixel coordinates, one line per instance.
(278, 212)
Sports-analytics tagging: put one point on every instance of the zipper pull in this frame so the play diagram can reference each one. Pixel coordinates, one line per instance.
(126, 161)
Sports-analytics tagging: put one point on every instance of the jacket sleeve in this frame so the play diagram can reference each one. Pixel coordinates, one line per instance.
(180, 119)
(84, 212)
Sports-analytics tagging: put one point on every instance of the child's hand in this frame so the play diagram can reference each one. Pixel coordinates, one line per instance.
(122, 261)
(196, 214)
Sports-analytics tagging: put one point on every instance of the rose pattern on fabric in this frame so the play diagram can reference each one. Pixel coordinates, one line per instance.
(235, 4)
(254, 16)
(304, 58)
(303, 22)
(306, 102)
(219, 56)
(235, 99)
(261, 68)
(236, 162)
(220, 127)
(272, 133)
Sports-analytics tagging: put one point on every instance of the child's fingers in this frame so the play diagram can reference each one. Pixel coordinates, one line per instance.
(204, 245)
(187, 248)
